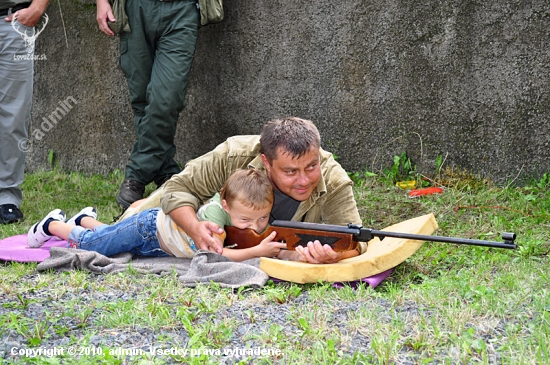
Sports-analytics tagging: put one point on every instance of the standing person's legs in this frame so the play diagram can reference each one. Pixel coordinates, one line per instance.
(165, 43)
(166, 91)
(137, 53)
(16, 73)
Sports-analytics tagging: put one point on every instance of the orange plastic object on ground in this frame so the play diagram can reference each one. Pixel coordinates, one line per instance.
(425, 191)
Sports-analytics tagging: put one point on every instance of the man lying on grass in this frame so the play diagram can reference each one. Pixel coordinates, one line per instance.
(310, 186)
(245, 201)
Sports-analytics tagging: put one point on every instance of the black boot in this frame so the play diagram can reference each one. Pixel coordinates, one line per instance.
(130, 191)
(9, 213)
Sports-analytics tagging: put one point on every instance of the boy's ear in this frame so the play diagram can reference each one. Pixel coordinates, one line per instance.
(225, 206)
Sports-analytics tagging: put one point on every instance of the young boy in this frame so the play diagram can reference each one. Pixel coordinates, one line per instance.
(245, 201)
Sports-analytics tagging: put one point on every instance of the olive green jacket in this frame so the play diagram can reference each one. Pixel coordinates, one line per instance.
(332, 202)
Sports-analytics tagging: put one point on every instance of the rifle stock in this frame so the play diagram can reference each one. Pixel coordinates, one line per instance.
(293, 237)
(340, 238)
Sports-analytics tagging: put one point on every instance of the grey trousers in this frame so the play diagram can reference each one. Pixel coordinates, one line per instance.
(16, 84)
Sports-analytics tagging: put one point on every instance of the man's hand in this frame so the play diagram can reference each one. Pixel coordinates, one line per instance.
(315, 253)
(104, 13)
(202, 234)
(29, 16)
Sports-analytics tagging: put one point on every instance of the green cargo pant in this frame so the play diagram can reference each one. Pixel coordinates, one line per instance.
(156, 58)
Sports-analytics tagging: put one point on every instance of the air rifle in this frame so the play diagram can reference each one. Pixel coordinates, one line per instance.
(340, 238)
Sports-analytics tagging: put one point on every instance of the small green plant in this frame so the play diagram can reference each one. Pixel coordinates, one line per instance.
(51, 158)
(24, 302)
(544, 181)
(401, 170)
(36, 336)
(359, 178)
(438, 165)
(186, 316)
(60, 330)
(385, 347)
(305, 326)
(83, 317)
(33, 330)
(281, 294)
(188, 300)
(221, 334)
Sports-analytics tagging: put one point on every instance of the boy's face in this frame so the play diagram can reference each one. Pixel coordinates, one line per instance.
(247, 217)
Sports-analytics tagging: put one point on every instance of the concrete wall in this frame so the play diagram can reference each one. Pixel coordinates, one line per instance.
(467, 80)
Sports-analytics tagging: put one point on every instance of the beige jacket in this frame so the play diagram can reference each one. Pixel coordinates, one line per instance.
(332, 202)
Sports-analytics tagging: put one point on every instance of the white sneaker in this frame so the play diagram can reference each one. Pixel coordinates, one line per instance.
(37, 237)
(88, 211)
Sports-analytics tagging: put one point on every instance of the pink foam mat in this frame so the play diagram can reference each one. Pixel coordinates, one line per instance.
(371, 281)
(15, 248)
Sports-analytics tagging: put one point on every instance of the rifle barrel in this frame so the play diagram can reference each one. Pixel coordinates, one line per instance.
(508, 239)
(366, 234)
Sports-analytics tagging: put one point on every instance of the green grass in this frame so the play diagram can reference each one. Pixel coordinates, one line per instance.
(447, 303)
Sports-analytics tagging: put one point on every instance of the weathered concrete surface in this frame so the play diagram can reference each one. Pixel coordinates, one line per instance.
(467, 80)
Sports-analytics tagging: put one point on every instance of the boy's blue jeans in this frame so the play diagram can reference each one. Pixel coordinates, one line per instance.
(136, 234)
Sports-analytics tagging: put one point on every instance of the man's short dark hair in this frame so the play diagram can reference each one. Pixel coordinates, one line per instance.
(295, 136)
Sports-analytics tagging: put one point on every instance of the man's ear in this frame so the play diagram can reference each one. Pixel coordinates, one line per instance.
(266, 163)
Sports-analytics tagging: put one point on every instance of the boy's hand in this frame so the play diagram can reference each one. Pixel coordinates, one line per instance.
(268, 247)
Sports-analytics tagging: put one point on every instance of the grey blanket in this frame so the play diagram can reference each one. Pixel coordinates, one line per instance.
(206, 267)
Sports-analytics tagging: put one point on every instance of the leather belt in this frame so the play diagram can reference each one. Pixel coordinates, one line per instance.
(5, 12)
